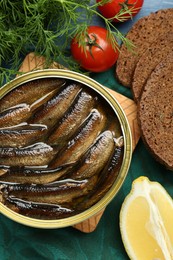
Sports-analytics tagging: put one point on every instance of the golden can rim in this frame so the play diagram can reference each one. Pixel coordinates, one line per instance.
(102, 203)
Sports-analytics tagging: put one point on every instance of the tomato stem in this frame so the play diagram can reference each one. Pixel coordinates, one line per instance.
(92, 42)
(125, 4)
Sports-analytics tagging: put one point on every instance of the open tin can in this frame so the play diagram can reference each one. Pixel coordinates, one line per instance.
(103, 94)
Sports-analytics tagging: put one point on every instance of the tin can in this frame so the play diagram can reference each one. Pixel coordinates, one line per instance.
(113, 103)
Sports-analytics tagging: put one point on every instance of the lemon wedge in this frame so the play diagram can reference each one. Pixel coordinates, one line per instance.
(146, 221)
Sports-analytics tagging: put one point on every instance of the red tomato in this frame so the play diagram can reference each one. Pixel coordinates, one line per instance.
(113, 7)
(99, 54)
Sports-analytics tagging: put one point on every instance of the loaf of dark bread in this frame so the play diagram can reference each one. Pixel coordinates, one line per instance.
(144, 32)
(149, 60)
(155, 112)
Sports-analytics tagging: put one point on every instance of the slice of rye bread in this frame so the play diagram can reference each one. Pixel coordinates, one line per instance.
(149, 60)
(143, 33)
(155, 112)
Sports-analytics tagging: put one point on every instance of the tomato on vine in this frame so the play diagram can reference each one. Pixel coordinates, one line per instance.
(114, 7)
(98, 54)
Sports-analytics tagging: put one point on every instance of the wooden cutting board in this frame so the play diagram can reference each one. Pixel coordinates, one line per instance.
(33, 62)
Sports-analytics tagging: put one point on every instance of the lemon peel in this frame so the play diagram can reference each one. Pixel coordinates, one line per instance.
(146, 218)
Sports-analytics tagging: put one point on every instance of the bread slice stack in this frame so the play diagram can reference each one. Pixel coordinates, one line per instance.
(149, 72)
(155, 112)
(156, 53)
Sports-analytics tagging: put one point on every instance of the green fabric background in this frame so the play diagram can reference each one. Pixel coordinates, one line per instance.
(18, 242)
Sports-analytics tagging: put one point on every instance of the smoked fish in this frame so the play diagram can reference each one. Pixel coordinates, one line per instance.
(30, 92)
(21, 135)
(38, 154)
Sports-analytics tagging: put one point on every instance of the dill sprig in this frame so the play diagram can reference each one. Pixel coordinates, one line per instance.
(47, 27)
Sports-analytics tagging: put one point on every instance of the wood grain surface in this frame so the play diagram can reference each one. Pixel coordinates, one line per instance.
(33, 62)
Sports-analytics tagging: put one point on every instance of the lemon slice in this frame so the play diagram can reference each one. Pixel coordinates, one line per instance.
(146, 221)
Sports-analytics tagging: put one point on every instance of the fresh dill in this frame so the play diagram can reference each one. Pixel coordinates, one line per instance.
(46, 27)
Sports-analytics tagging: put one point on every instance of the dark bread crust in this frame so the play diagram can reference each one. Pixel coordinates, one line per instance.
(144, 32)
(155, 112)
(149, 60)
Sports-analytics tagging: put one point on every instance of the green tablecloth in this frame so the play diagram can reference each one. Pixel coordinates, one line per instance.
(18, 242)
